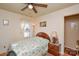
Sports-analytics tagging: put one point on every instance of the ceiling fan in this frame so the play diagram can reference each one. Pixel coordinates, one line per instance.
(32, 6)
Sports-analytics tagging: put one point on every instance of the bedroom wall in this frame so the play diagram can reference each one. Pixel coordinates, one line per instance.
(55, 22)
(12, 32)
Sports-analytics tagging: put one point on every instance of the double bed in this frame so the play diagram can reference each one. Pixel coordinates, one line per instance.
(36, 46)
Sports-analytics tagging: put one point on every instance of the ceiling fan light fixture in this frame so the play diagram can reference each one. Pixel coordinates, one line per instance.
(30, 6)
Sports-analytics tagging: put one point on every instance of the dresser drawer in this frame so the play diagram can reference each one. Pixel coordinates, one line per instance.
(50, 46)
(53, 52)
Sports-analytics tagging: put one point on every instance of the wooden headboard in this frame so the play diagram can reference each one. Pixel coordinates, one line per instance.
(43, 35)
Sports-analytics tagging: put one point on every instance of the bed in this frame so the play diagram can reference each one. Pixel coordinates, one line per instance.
(36, 46)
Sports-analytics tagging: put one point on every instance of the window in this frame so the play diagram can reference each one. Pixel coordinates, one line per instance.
(26, 29)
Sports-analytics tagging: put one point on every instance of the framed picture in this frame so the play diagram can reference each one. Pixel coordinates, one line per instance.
(5, 22)
(43, 24)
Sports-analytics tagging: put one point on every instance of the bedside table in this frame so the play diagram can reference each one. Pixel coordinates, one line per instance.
(54, 49)
(3, 53)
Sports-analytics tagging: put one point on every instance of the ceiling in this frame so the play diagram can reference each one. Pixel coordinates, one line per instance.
(16, 7)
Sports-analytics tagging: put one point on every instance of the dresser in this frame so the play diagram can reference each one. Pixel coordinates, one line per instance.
(54, 49)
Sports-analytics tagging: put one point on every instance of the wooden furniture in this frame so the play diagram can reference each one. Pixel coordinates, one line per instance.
(43, 35)
(3, 53)
(54, 49)
(70, 51)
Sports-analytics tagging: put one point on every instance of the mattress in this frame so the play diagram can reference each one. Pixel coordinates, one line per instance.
(31, 47)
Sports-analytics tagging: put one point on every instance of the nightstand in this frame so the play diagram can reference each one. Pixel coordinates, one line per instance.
(3, 53)
(54, 49)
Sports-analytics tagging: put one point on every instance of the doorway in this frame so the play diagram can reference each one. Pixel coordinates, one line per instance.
(71, 34)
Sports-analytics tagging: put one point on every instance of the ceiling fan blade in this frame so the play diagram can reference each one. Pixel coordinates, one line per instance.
(34, 9)
(24, 8)
(40, 5)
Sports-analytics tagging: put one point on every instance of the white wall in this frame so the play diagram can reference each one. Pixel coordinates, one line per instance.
(12, 32)
(55, 22)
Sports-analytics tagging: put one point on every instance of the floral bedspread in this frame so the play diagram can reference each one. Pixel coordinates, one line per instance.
(31, 47)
